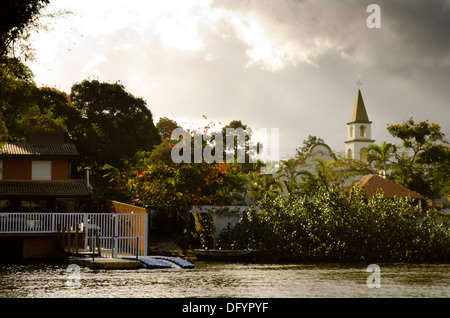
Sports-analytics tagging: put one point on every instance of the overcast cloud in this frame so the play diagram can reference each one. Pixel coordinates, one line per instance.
(286, 64)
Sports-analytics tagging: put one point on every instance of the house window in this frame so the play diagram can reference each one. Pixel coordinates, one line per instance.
(349, 154)
(41, 170)
(362, 131)
(351, 131)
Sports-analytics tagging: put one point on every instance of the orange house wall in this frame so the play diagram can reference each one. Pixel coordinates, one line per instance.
(16, 169)
(20, 169)
(60, 169)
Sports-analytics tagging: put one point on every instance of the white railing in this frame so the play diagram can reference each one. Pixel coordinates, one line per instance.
(120, 234)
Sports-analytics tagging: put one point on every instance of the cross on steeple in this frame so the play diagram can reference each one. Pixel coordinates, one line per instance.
(359, 83)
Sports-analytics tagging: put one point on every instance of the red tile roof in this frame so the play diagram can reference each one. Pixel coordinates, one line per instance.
(372, 183)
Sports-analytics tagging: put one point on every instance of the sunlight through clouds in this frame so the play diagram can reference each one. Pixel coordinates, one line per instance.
(178, 25)
(241, 59)
(271, 49)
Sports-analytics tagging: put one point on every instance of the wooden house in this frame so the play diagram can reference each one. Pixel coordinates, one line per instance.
(36, 176)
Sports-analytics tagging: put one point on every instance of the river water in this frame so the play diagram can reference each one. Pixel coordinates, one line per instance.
(217, 280)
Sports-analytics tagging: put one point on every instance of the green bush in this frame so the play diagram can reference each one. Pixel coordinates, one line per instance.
(334, 226)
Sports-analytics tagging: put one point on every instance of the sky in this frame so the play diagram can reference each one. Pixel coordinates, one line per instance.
(286, 64)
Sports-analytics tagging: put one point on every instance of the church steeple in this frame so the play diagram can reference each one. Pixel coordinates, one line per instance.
(359, 114)
(359, 131)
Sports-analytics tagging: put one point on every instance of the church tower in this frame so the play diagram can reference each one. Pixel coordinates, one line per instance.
(359, 131)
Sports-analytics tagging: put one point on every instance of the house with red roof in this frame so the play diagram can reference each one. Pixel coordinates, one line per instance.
(373, 183)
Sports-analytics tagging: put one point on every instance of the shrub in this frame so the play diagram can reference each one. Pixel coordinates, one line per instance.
(334, 226)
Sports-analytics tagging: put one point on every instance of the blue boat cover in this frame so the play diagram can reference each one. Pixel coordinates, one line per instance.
(178, 261)
(163, 262)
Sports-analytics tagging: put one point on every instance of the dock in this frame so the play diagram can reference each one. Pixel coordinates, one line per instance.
(151, 262)
(106, 263)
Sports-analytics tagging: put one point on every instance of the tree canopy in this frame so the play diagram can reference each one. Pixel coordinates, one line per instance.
(15, 18)
(109, 124)
(24, 106)
(422, 164)
(307, 143)
(165, 127)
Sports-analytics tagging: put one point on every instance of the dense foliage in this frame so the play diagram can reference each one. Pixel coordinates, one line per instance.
(333, 226)
(424, 157)
(110, 123)
(15, 18)
(25, 107)
(153, 179)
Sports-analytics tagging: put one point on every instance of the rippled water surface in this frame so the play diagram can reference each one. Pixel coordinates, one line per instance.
(213, 280)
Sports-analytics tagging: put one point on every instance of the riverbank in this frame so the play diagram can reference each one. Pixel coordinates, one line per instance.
(166, 247)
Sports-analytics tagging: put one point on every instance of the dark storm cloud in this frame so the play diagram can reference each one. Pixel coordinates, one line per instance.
(404, 65)
(286, 64)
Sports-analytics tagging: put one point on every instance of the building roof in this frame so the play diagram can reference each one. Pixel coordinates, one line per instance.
(359, 114)
(37, 188)
(27, 149)
(372, 183)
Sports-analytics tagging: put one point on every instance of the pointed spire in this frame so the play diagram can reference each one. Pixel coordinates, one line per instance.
(359, 114)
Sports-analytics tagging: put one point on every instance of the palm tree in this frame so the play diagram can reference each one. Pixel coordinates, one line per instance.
(290, 175)
(325, 172)
(323, 175)
(381, 155)
(261, 184)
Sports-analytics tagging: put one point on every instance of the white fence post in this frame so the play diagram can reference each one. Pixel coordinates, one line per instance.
(86, 229)
(146, 227)
(115, 235)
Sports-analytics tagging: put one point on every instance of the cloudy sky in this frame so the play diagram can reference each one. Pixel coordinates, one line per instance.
(287, 64)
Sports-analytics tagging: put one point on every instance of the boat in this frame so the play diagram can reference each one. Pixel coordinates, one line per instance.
(225, 255)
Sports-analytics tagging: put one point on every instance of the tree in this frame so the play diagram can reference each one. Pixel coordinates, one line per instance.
(19, 109)
(24, 107)
(165, 127)
(15, 18)
(171, 189)
(303, 176)
(110, 124)
(307, 144)
(324, 175)
(240, 143)
(291, 175)
(423, 163)
(381, 155)
(262, 185)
